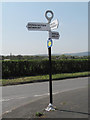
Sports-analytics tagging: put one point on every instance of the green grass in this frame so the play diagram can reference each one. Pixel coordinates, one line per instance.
(42, 78)
(39, 114)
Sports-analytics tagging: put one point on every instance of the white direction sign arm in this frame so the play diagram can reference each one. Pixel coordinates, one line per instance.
(54, 24)
(35, 26)
(54, 35)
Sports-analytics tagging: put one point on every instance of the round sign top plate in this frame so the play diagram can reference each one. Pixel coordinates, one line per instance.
(49, 18)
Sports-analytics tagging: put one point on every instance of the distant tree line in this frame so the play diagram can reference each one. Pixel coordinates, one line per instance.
(27, 57)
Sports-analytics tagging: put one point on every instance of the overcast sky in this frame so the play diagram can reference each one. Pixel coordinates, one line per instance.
(73, 27)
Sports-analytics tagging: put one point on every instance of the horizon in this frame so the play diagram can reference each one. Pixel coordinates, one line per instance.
(42, 54)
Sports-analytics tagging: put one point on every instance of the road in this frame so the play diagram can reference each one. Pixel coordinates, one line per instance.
(17, 95)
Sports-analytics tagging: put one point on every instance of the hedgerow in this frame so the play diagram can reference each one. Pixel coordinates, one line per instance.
(20, 68)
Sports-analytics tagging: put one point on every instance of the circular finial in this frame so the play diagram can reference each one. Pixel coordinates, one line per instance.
(49, 18)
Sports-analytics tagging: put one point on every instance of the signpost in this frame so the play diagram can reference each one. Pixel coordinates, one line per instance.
(35, 26)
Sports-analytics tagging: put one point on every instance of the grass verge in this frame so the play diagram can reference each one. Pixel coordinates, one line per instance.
(42, 78)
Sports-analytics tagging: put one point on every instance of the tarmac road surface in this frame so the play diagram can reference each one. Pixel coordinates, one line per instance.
(17, 95)
(69, 104)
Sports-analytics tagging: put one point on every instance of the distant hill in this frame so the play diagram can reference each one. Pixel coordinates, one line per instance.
(79, 54)
(46, 55)
(72, 54)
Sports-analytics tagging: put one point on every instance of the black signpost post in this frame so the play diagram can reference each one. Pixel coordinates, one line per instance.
(50, 75)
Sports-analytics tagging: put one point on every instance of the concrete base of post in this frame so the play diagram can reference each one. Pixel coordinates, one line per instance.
(50, 107)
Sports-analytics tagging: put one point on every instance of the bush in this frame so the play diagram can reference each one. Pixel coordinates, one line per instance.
(11, 69)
